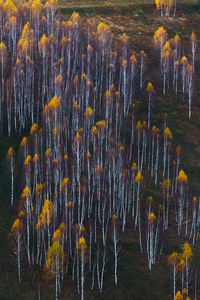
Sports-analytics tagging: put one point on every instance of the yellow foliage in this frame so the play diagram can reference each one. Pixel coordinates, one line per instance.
(185, 293)
(80, 131)
(84, 76)
(178, 150)
(77, 138)
(178, 296)
(158, 3)
(39, 188)
(55, 161)
(48, 152)
(53, 2)
(101, 124)
(124, 38)
(40, 222)
(124, 63)
(26, 7)
(190, 69)
(75, 105)
(43, 19)
(35, 158)
(166, 184)
(81, 246)
(89, 48)
(13, 21)
(54, 259)
(173, 258)
(184, 60)
(76, 80)
(99, 169)
(94, 130)
(65, 183)
(181, 265)
(107, 94)
(75, 18)
(114, 218)
(112, 88)
(66, 157)
(57, 236)
(82, 229)
(3, 53)
(69, 205)
(150, 199)
(160, 37)
(63, 42)
(89, 155)
(151, 218)
(43, 44)
(187, 251)
(193, 37)
(55, 103)
(134, 167)
(139, 126)
(36, 7)
(26, 192)
(47, 211)
(144, 124)
(121, 147)
(62, 227)
(24, 46)
(102, 28)
(9, 8)
(89, 83)
(17, 226)
(89, 112)
(47, 5)
(166, 4)
(26, 42)
(133, 59)
(56, 131)
(195, 201)
(27, 160)
(138, 177)
(154, 129)
(176, 39)
(10, 153)
(124, 173)
(182, 177)
(103, 32)
(168, 133)
(58, 79)
(34, 128)
(167, 48)
(150, 88)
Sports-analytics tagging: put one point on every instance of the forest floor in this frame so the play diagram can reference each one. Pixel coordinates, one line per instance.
(139, 20)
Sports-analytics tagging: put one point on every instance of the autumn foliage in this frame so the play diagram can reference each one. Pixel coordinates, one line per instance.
(82, 185)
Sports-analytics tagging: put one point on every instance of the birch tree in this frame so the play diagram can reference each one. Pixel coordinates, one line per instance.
(16, 231)
(82, 250)
(54, 261)
(173, 260)
(11, 165)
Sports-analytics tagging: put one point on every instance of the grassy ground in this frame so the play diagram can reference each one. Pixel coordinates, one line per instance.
(139, 20)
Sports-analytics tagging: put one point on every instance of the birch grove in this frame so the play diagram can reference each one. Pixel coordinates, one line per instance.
(81, 184)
